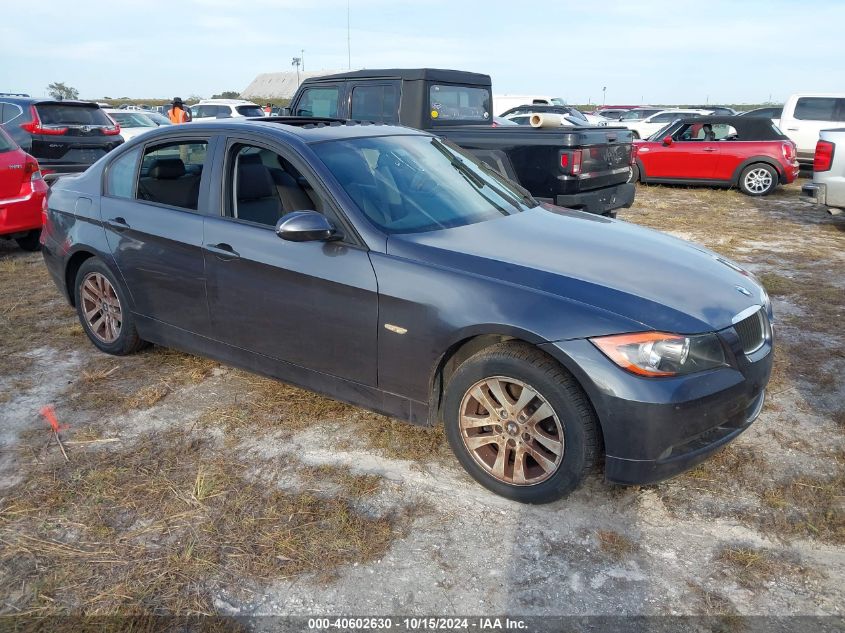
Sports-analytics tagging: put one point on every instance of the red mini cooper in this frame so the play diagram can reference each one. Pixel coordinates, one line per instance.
(22, 192)
(720, 151)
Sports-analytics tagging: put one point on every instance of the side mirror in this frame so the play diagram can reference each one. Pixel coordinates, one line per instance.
(306, 226)
(667, 140)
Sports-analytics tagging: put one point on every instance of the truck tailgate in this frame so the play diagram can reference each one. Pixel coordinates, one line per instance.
(532, 156)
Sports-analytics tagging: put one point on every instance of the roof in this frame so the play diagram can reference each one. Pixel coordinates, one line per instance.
(411, 74)
(224, 102)
(48, 100)
(308, 130)
(759, 129)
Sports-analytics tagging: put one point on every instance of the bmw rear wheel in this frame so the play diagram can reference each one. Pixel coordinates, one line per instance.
(759, 179)
(104, 311)
(520, 424)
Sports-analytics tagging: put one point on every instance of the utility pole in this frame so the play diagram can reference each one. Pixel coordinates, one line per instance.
(603, 95)
(302, 59)
(348, 38)
(296, 61)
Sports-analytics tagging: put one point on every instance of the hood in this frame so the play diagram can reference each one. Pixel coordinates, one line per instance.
(658, 280)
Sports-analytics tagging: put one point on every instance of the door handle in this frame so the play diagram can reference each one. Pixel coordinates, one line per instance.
(792, 129)
(708, 149)
(222, 251)
(118, 224)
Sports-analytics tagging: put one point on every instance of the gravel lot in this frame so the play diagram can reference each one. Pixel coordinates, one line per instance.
(196, 488)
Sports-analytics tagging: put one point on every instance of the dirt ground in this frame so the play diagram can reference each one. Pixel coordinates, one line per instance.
(191, 487)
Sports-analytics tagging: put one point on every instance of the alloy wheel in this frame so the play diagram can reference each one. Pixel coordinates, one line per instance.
(758, 180)
(101, 307)
(511, 431)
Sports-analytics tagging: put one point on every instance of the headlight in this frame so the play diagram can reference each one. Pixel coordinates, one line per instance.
(662, 354)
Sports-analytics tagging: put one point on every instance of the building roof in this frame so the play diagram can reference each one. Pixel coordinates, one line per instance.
(281, 85)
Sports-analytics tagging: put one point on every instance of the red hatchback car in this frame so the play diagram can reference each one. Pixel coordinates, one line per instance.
(722, 151)
(22, 193)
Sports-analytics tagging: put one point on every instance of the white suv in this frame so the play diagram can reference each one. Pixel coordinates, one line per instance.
(208, 109)
(648, 126)
(806, 114)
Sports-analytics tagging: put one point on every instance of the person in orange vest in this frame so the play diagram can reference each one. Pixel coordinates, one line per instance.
(268, 109)
(177, 113)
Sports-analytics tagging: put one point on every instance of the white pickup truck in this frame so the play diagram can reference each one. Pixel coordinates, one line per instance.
(828, 185)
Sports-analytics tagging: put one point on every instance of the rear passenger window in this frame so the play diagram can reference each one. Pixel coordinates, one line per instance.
(264, 186)
(815, 109)
(120, 179)
(170, 174)
(374, 103)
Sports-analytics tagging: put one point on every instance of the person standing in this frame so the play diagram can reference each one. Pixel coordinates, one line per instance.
(177, 113)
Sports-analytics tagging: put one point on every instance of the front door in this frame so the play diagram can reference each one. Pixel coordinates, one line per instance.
(312, 304)
(152, 212)
(692, 155)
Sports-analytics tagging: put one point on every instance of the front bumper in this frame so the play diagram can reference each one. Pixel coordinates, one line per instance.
(599, 201)
(654, 429)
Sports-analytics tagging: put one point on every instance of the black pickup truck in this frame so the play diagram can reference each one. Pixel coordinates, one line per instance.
(583, 168)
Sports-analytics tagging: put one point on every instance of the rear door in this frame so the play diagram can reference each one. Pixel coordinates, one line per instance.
(72, 135)
(154, 203)
(374, 101)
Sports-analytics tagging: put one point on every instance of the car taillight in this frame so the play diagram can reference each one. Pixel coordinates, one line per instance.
(570, 162)
(823, 158)
(112, 129)
(36, 127)
(32, 170)
(576, 162)
(44, 214)
(788, 149)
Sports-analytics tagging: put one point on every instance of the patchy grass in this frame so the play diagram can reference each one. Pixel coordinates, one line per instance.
(267, 404)
(615, 545)
(156, 526)
(108, 384)
(399, 440)
(753, 567)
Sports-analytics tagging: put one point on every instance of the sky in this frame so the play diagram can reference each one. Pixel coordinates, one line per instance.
(641, 51)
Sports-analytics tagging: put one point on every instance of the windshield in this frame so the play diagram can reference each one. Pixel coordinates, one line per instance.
(449, 103)
(66, 114)
(250, 110)
(413, 184)
(132, 119)
(658, 136)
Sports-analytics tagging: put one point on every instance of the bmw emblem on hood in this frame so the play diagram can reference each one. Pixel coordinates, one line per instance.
(743, 291)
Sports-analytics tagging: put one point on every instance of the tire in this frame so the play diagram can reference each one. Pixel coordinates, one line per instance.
(110, 326)
(759, 179)
(567, 415)
(30, 241)
(635, 173)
